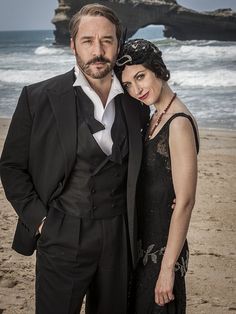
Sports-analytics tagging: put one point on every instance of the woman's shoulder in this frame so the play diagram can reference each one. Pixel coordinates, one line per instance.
(183, 125)
(182, 122)
(181, 116)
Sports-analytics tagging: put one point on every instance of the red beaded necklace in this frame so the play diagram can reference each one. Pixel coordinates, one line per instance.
(160, 117)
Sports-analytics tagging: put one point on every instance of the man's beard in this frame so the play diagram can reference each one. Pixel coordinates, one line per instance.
(99, 73)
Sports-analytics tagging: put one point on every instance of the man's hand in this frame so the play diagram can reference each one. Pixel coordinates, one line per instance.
(41, 226)
(173, 204)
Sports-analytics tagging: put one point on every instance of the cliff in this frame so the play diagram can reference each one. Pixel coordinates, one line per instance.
(179, 22)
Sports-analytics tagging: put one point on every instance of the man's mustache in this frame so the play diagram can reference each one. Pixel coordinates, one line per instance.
(98, 59)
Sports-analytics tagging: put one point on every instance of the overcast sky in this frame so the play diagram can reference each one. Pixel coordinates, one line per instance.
(37, 14)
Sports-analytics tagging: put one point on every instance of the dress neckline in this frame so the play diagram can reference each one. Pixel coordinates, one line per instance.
(183, 114)
(167, 121)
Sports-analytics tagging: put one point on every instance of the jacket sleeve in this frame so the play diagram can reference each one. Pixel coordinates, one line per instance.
(144, 116)
(14, 170)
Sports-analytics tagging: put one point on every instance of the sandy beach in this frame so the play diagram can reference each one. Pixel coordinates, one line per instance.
(211, 277)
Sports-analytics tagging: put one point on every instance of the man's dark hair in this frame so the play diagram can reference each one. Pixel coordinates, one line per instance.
(95, 9)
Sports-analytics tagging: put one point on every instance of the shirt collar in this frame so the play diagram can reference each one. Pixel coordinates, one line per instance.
(116, 87)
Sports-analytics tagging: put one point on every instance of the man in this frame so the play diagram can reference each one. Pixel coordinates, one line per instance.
(69, 168)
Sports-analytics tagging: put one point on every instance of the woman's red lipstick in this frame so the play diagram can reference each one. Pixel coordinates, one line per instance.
(144, 96)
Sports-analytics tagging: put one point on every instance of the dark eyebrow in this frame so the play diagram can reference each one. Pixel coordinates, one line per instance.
(135, 76)
(108, 37)
(104, 37)
(85, 37)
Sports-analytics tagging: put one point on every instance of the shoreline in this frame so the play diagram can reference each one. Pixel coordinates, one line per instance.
(8, 119)
(210, 280)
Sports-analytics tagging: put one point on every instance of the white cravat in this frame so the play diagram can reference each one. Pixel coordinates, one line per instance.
(105, 115)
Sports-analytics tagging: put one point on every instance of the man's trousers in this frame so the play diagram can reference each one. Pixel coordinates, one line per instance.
(78, 257)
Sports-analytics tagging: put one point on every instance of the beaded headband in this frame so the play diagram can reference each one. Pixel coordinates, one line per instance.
(136, 51)
(141, 51)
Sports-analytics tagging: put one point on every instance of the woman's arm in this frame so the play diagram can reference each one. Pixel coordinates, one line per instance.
(184, 174)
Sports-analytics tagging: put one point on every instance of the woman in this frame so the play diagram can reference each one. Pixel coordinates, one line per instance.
(169, 171)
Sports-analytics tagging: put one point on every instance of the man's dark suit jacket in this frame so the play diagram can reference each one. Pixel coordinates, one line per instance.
(40, 151)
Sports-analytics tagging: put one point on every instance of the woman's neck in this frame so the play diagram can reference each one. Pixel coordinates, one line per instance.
(164, 98)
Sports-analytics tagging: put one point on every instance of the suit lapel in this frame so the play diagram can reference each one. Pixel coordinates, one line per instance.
(63, 103)
(135, 156)
(134, 134)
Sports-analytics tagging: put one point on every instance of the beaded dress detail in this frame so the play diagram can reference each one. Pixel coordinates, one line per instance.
(154, 200)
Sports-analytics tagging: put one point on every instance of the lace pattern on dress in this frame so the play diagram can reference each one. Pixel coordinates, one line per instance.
(163, 149)
(155, 255)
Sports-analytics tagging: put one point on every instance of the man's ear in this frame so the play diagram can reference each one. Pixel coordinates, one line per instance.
(118, 49)
(72, 46)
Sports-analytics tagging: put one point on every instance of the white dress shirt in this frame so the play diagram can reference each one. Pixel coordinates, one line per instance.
(105, 115)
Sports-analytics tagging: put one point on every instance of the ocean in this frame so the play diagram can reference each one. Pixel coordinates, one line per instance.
(203, 73)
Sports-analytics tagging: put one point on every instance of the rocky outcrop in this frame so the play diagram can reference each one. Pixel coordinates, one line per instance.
(179, 22)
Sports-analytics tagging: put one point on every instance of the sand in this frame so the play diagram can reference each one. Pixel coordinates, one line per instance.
(212, 268)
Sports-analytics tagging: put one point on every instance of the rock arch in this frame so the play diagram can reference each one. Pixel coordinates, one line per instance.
(180, 23)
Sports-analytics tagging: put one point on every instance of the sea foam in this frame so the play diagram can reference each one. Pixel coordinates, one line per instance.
(43, 50)
(190, 52)
(25, 76)
(207, 78)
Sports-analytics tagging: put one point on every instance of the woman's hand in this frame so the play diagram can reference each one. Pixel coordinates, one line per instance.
(164, 286)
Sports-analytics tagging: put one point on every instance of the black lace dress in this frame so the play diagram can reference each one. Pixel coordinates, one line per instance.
(155, 197)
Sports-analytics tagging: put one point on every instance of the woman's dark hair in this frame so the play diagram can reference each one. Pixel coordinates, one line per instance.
(141, 51)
